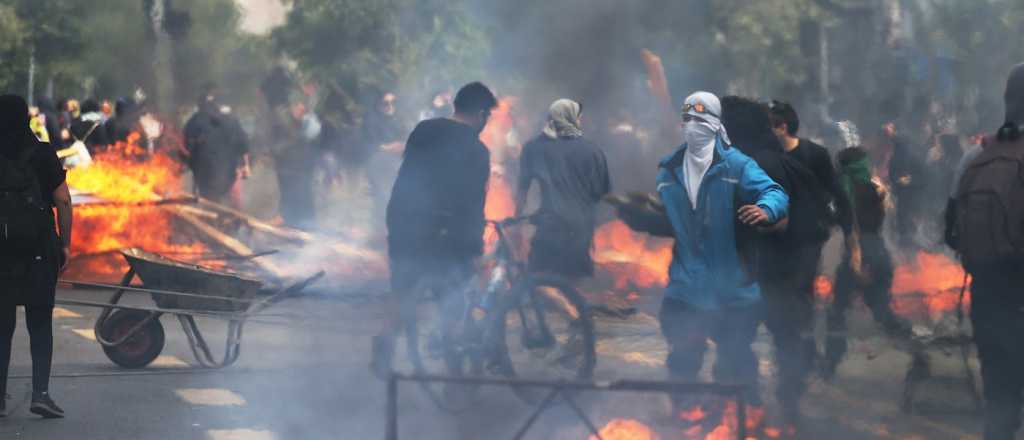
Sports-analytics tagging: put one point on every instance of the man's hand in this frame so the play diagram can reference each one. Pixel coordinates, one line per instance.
(67, 257)
(752, 215)
(904, 180)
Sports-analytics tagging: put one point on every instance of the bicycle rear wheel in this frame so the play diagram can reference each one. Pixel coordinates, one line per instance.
(545, 331)
(442, 339)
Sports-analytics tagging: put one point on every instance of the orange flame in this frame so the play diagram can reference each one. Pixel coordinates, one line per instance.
(693, 415)
(123, 173)
(500, 201)
(634, 260)
(626, 429)
(930, 283)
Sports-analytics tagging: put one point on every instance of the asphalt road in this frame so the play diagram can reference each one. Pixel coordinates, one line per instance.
(308, 380)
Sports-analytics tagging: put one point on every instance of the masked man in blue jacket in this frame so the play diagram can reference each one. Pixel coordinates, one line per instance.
(706, 187)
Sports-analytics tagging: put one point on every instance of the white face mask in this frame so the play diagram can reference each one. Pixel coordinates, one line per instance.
(700, 137)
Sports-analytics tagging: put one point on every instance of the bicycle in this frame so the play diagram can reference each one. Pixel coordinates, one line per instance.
(511, 323)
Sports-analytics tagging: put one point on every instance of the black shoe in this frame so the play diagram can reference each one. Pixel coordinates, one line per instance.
(44, 406)
(383, 352)
(3, 405)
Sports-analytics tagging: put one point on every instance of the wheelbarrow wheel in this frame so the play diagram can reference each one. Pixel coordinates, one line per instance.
(139, 350)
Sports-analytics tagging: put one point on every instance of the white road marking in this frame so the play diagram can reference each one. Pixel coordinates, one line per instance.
(239, 434)
(168, 361)
(60, 312)
(210, 397)
(86, 333)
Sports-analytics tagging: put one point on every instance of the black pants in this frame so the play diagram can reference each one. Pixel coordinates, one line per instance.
(686, 330)
(789, 315)
(39, 321)
(297, 204)
(997, 315)
(876, 292)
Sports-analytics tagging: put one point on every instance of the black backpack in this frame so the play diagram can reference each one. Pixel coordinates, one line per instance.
(989, 208)
(23, 224)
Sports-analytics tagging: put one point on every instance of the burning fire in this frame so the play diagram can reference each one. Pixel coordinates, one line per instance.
(932, 282)
(123, 173)
(500, 202)
(634, 260)
(929, 285)
(626, 429)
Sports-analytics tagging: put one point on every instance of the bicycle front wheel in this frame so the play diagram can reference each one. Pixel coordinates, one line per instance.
(545, 331)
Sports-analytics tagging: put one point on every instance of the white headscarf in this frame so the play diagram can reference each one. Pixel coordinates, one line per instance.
(701, 136)
(564, 120)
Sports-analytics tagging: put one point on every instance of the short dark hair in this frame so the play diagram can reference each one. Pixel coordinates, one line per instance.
(474, 97)
(784, 113)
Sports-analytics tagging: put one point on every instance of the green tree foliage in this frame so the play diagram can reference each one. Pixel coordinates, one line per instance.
(103, 49)
(360, 48)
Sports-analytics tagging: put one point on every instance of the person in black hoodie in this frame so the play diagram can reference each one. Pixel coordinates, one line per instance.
(29, 279)
(784, 259)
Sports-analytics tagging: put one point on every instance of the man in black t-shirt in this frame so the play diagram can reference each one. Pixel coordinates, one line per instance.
(435, 217)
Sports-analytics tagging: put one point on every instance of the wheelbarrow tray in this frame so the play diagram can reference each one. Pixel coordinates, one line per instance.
(158, 272)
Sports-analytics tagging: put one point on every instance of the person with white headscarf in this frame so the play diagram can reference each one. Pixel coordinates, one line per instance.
(706, 186)
(571, 176)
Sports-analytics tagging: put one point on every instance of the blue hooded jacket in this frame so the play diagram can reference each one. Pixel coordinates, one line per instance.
(706, 272)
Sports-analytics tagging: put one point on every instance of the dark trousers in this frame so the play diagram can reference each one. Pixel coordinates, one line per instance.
(297, 204)
(789, 315)
(39, 321)
(686, 330)
(997, 316)
(876, 291)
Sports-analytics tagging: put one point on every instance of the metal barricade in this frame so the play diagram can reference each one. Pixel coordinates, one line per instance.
(560, 388)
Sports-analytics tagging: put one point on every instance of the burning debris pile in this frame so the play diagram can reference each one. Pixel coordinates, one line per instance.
(129, 198)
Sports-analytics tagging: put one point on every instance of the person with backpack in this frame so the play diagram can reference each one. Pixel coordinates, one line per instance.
(987, 217)
(32, 254)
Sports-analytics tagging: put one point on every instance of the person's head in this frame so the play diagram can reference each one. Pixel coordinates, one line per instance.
(785, 121)
(564, 120)
(702, 120)
(387, 104)
(1014, 96)
(474, 103)
(14, 118)
(72, 106)
(107, 108)
(749, 125)
(90, 106)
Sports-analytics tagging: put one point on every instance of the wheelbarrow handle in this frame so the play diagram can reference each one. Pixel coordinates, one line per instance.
(284, 293)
